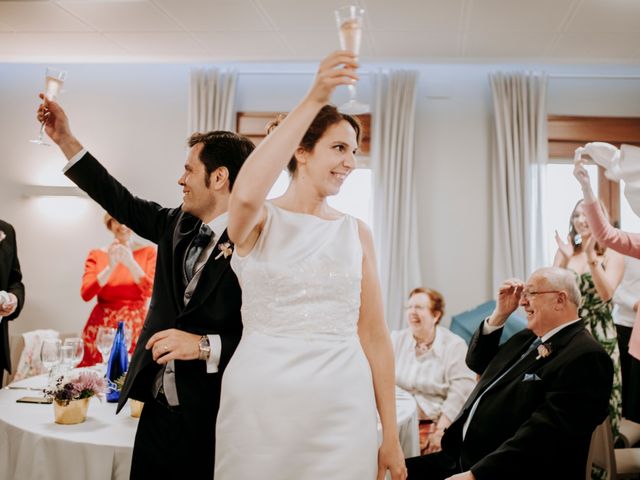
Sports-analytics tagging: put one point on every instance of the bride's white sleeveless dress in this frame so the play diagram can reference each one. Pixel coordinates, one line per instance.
(297, 396)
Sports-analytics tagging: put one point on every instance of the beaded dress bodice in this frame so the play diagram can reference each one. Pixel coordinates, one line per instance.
(302, 277)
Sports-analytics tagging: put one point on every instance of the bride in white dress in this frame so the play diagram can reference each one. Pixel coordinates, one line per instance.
(299, 396)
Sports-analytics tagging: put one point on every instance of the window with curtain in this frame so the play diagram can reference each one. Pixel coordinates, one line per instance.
(566, 133)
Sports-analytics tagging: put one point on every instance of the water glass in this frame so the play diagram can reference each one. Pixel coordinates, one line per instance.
(77, 346)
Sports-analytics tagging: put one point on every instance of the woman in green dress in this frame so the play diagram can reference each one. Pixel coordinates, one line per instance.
(598, 273)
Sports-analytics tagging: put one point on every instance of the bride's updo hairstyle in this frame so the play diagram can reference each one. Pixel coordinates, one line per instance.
(327, 116)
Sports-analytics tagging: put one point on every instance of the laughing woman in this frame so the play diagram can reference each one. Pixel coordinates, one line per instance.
(299, 396)
(598, 272)
(430, 364)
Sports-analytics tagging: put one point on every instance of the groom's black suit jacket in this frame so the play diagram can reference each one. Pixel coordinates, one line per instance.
(536, 422)
(214, 307)
(10, 281)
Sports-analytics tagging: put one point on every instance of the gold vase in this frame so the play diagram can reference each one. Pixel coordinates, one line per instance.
(135, 407)
(74, 412)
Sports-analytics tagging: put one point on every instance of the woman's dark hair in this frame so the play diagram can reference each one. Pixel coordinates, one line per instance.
(222, 149)
(326, 117)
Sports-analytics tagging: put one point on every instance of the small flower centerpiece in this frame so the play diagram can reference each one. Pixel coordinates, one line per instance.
(71, 394)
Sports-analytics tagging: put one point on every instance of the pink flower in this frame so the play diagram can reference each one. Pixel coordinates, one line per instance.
(84, 384)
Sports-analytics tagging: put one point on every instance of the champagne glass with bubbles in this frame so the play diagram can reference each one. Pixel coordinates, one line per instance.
(54, 79)
(349, 20)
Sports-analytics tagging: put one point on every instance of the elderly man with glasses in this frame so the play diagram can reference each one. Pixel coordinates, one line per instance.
(540, 395)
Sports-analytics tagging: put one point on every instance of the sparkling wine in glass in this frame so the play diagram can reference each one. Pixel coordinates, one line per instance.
(349, 20)
(77, 348)
(104, 342)
(54, 79)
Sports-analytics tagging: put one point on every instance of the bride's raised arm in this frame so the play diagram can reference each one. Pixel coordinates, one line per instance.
(262, 168)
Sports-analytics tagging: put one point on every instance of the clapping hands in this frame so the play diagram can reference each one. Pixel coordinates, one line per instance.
(119, 253)
(565, 248)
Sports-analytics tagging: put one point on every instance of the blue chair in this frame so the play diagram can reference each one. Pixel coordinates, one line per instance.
(466, 323)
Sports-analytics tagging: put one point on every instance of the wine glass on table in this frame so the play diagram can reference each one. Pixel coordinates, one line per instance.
(54, 79)
(104, 342)
(66, 358)
(77, 349)
(128, 338)
(50, 355)
(349, 21)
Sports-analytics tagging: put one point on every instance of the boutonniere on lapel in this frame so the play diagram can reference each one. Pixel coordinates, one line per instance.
(225, 249)
(544, 350)
(2, 235)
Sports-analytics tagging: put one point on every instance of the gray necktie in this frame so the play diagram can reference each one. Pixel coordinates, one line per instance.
(532, 347)
(198, 244)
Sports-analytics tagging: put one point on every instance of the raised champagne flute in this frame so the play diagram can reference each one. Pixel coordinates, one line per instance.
(349, 20)
(54, 79)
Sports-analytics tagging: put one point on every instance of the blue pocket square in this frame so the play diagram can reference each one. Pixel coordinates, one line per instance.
(531, 377)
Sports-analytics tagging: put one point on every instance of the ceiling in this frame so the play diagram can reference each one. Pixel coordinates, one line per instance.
(568, 31)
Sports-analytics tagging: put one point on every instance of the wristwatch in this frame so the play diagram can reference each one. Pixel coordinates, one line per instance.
(205, 348)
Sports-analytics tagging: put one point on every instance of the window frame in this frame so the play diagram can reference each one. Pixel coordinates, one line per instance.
(565, 133)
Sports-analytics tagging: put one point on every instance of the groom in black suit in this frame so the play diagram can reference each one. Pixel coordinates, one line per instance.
(11, 290)
(539, 398)
(193, 325)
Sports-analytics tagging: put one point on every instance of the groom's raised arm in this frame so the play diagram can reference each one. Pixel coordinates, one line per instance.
(147, 219)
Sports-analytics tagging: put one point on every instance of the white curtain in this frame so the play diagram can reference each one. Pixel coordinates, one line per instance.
(212, 94)
(394, 214)
(517, 173)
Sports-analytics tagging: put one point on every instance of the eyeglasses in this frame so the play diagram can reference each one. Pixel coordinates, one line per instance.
(420, 308)
(527, 294)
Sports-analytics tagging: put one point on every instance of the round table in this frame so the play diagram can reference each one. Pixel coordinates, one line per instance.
(407, 415)
(33, 447)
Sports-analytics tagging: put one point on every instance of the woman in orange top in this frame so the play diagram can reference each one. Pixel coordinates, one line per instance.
(122, 279)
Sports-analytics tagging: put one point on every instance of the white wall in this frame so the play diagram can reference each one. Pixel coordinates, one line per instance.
(134, 118)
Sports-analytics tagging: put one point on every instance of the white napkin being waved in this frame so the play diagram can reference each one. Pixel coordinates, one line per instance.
(622, 164)
(607, 156)
(4, 298)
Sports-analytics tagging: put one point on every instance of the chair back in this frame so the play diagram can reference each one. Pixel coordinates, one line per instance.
(16, 346)
(466, 323)
(601, 452)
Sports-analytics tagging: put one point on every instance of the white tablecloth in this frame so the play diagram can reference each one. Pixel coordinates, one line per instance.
(407, 423)
(33, 447)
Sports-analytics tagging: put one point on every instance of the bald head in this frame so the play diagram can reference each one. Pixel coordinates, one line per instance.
(561, 279)
(550, 298)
